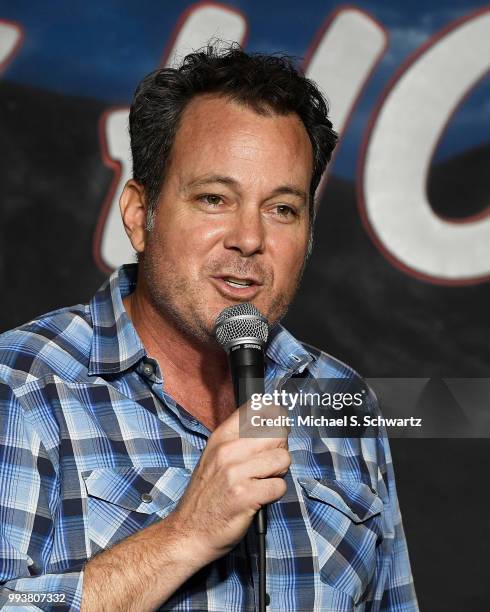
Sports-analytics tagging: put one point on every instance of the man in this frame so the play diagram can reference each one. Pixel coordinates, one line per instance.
(125, 483)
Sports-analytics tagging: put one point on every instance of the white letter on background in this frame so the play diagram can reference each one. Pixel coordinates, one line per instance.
(348, 51)
(10, 39)
(400, 148)
(112, 247)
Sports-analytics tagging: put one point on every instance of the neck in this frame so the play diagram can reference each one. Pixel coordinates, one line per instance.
(195, 374)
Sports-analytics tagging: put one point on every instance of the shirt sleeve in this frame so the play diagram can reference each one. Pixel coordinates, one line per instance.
(28, 500)
(394, 589)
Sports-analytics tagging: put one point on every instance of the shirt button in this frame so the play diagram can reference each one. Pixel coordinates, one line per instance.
(146, 498)
(148, 369)
(267, 599)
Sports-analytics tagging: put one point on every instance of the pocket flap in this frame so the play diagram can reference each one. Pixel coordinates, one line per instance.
(146, 490)
(354, 499)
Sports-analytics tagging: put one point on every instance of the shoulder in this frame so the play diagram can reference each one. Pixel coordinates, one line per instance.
(336, 374)
(55, 343)
(328, 366)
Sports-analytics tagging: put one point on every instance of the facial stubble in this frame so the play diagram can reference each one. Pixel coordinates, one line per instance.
(179, 300)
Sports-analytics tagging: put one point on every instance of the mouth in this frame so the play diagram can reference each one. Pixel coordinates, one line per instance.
(237, 287)
(238, 282)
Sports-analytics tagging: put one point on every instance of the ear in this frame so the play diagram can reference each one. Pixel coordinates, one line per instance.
(132, 204)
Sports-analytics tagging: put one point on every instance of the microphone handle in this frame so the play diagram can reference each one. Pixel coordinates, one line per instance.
(247, 371)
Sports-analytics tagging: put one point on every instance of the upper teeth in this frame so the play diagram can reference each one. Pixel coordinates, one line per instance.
(234, 281)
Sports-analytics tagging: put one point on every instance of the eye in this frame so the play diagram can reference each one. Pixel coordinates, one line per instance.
(283, 210)
(211, 199)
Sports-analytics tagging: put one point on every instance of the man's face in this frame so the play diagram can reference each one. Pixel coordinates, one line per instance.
(231, 224)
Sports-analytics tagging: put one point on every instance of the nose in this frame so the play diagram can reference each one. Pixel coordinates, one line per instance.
(245, 232)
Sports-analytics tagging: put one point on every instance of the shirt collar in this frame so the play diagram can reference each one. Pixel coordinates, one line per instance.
(284, 350)
(116, 345)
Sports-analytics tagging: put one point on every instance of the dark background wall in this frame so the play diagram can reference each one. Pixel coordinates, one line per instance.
(70, 66)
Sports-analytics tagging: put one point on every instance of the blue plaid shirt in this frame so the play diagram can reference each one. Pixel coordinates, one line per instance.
(92, 450)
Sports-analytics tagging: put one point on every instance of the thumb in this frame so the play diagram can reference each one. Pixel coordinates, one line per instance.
(228, 430)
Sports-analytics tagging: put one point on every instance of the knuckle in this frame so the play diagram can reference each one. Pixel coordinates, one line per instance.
(230, 476)
(222, 455)
(284, 457)
(282, 486)
(278, 488)
(282, 443)
(235, 491)
(278, 440)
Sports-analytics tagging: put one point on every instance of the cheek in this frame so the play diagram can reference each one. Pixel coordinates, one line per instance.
(288, 255)
(186, 239)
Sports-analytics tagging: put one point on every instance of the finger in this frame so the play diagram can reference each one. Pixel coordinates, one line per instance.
(269, 421)
(228, 430)
(240, 424)
(242, 450)
(268, 490)
(266, 464)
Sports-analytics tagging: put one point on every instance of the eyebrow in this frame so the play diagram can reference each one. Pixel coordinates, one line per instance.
(289, 190)
(230, 182)
(208, 179)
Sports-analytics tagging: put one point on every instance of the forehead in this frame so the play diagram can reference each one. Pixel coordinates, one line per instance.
(218, 135)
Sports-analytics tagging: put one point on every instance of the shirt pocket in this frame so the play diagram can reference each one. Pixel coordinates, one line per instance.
(346, 523)
(121, 501)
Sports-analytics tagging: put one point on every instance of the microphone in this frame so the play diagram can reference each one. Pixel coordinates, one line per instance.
(242, 330)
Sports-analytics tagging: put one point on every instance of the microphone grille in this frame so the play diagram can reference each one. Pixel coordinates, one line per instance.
(241, 321)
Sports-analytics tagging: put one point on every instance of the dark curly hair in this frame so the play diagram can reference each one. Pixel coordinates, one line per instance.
(269, 84)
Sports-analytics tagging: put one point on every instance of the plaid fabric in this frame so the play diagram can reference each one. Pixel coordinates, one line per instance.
(92, 450)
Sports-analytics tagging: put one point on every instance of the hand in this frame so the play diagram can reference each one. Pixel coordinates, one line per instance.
(235, 476)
